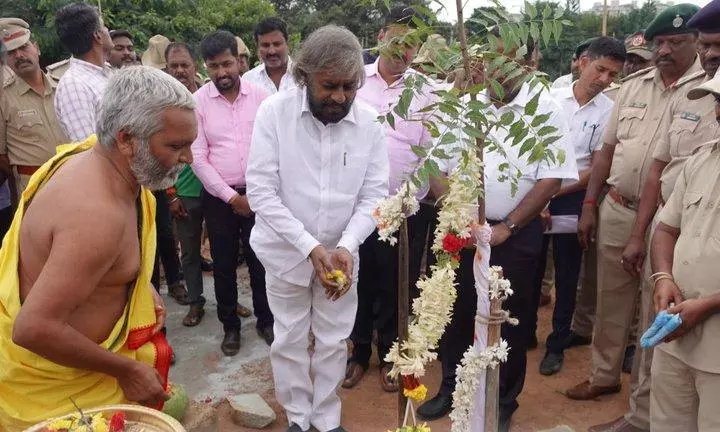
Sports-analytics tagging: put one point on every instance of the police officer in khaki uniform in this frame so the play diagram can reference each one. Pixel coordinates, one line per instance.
(686, 125)
(243, 56)
(29, 130)
(685, 254)
(623, 162)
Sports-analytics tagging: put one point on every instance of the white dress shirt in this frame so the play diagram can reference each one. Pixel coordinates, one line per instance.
(586, 123)
(499, 200)
(78, 96)
(259, 76)
(311, 184)
(563, 81)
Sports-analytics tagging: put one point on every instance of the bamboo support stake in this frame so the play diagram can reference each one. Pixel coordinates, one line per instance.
(604, 18)
(403, 305)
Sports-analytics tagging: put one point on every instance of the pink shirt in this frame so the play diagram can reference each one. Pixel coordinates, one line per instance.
(406, 133)
(221, 149)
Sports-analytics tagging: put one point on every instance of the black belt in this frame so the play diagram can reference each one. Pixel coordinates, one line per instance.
(242, 190)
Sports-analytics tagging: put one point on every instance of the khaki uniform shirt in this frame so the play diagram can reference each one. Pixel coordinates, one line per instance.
(29, 129)
(694, 208)
(689, 125)
(634, 122)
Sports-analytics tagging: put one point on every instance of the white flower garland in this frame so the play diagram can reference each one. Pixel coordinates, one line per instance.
(392, 210)
(469, 373)
(432, 310)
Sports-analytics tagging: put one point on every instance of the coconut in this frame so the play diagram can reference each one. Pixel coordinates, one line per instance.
(177, 405)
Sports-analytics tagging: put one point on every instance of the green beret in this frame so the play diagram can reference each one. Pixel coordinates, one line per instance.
(672, 20)
(583, 47)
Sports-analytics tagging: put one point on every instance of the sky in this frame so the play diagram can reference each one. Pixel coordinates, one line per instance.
(449, 12)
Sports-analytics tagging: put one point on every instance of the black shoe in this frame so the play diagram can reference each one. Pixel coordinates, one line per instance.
(551, 363)
(172, 359)
(575, 340)
(231, 342)
(206, 265)
(628, 359)
(295, 428)
(436, 408)
(533, 342)
(338, 429)
(267, 334)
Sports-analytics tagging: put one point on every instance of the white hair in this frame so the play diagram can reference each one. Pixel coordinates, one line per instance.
(134, 101)
(329, 48)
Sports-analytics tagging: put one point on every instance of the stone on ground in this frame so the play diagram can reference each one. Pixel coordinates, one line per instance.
(250, 410)
(200, 417)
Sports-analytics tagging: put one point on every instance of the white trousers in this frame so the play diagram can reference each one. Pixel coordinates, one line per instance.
(306, 386)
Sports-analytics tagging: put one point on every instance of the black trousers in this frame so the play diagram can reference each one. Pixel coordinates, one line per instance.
(166, 244)
(225, 230)
(567, 255)
(460, 331)
(6, 217)
(378, 289)
(518, 257)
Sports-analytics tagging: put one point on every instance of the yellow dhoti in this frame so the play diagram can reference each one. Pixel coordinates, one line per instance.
(33, 388)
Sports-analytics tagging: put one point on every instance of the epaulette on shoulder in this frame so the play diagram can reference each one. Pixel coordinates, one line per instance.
(692, 77)
(641, 72)
(56, 70)
(8, 77)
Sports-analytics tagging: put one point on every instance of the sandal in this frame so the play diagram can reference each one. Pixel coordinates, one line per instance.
(179, 293)
(194, 316)
(388, 384)
(243, 311)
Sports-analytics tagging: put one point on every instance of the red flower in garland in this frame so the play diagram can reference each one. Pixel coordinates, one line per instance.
(453, 244)
(117, 422)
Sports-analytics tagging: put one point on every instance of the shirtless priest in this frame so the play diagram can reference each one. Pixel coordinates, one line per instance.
(79, 319)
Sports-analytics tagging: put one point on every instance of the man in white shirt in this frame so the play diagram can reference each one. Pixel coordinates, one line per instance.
(80, 90)
(318, 167)
(587, 110)
(516, 238)
(274, 74)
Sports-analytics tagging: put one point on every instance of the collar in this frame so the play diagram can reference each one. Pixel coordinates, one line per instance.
(568, 93)
(89, 66)
(24, 87)
(213, 92)
(689, 74)
(305, 108)
(373, 69)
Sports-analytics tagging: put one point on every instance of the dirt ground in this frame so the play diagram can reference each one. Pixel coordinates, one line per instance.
(209, 377)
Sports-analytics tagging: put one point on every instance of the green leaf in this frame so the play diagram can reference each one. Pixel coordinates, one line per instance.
(520, 136)
(440, 154)
(471, 131)
(561, 156)
(419, 150)
(547, 32)
(532, 105)
(530, 10)
(545, 130)
(527, 145)
(390, 119)
(547, 12)
(538, 153)
(507, 118)
(497, 88)
(539, 119)
(558, 31)
(448, 138)
(521, 52)
(535, 32)
(432, 168)
(559, 12)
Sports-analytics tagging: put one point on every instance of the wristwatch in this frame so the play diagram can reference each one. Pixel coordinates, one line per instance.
(512, 226)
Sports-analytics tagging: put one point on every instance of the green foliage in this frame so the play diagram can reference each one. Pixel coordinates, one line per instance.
(183, 20)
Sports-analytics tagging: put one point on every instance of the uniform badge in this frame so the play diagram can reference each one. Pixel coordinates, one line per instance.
(690, 116)
(677, 22)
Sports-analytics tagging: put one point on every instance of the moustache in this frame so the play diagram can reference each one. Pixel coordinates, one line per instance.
(21, 61)
(665, 59)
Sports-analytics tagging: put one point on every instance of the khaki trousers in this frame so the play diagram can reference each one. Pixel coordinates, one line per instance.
(683, 398)
(584, 316)
(639, 413)
(618, 293)
(21, 182)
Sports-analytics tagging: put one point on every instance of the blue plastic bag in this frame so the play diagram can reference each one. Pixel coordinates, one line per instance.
(663, 325)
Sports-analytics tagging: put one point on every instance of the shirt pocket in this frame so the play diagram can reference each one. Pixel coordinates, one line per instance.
(29, 124)
(629, 120)
(681, 137)
(351, 175)
(691, 203)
